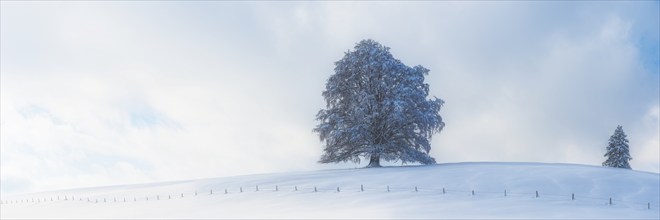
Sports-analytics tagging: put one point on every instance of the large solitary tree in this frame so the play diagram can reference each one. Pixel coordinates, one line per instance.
(618, 153)
(377, 108)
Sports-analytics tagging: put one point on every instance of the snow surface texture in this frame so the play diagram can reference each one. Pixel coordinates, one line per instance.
(339, 195)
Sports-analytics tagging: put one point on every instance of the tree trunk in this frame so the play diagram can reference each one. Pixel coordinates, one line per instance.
(374, 161)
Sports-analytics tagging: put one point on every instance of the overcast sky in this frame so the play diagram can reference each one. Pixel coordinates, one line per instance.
(104, 93)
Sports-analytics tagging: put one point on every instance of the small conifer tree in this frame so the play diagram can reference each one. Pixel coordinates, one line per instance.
(618, 153)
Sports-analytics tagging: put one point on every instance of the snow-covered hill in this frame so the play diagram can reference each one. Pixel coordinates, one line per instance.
(339, 194)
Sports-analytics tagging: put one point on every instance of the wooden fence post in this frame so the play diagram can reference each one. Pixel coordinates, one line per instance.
(361, 188)
(415, 188)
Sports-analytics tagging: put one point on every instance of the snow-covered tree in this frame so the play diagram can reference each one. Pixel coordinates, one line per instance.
(618, 153)
(377, 108)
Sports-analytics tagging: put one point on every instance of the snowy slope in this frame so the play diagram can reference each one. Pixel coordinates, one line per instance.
(631, 193)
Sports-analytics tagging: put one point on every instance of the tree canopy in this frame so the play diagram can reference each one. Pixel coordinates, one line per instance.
(377, 108)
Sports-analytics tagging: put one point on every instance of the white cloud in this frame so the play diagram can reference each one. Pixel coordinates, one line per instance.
(645, 141)
(96, 93)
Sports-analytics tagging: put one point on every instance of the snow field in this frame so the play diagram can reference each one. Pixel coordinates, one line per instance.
(631, 193)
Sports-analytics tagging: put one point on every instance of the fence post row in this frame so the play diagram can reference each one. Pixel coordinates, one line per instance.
(66, 198)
